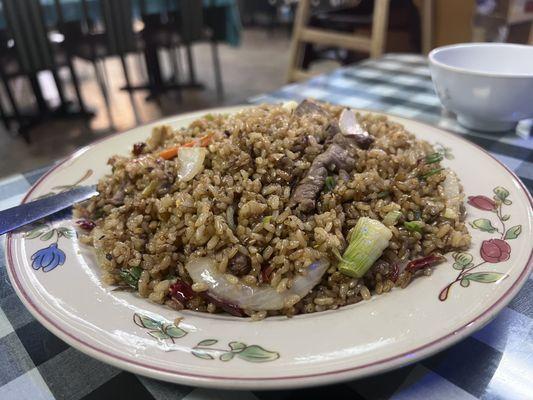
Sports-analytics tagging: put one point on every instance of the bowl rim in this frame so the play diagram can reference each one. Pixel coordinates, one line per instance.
(466, 71)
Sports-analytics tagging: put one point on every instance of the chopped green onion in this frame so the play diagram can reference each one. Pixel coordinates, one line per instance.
(431, 173)
(385, 193)
(392, 218)
(368, 239)
(329, 184)
(148, 190)
(131, 276)
(414, 226)
(433, 158)
(136, 272)
(449, 213)
(267, 219)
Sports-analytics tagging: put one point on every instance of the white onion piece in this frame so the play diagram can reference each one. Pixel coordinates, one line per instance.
(451, 191)
(191, 162)
(348, 124)
(289, 105)
(257, 298)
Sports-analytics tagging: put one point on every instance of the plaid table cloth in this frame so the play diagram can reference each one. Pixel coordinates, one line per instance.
(494, 363)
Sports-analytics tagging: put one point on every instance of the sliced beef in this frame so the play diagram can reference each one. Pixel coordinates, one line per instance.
(309, 107)
(307, 190)
(347, 135)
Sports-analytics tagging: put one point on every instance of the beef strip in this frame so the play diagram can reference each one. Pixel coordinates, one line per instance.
(308, 107)
(336, 157)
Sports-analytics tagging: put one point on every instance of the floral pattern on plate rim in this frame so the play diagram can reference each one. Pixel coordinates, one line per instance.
(48, 258)
(162, 330)
(491, 251)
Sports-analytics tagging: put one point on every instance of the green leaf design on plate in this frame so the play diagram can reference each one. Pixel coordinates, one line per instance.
(159, 335)
(174, 331)
(501, 192)
(207, 342)
(462, 260)
(48, 235)
(506, 217)
(202, 355)
(35, 232)
(66, 232)
(465, 282)
(514, 232)
(485, 277)
(148, 322)
(483, 224)
(226, 356)
(236, 346)
(255, 353)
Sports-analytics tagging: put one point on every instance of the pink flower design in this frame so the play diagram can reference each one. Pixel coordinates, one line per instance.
(482, 202)
(495, 250)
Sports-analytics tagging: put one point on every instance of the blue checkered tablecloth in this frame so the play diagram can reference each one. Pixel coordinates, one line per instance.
(494, 363)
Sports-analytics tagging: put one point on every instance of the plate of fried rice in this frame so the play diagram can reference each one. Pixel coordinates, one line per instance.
(274, 246)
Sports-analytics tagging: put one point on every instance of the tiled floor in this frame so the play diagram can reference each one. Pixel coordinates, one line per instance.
(257, 66)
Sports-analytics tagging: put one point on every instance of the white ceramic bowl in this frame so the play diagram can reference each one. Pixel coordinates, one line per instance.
(488, 85)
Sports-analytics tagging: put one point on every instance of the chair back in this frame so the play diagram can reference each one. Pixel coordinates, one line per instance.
(25, 23)
(117, 16)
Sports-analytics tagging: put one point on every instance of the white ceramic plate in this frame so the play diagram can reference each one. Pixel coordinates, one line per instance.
(222, 351)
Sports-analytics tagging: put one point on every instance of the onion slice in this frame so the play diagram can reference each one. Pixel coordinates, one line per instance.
(256, 298)
(191, 162)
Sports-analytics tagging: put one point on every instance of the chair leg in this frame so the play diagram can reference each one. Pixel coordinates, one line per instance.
(141, 67)
(60, 89)
(103, 66)
(3, 117)
(128, 83)
(105, 94)
(190, 62)
(76, 83)
(218, 73)
(175, 70)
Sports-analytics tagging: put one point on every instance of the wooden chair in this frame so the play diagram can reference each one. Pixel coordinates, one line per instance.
(374, 44)
(303, 34)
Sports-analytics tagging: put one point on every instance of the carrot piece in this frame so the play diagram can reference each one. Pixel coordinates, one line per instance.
(172, 152)
(206, 140)
(169, 153)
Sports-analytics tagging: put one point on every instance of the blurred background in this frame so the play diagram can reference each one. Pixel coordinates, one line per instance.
(73, 71)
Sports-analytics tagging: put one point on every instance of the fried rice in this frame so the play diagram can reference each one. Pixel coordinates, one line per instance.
(239, 210)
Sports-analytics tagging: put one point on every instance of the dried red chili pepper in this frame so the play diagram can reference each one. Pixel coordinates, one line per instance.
(86, 224)
(424, 262)
(224, 305)
(181, 291)
(266, 274)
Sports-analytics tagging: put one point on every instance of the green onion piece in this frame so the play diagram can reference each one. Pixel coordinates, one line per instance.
(148, 190)
(391, 218)
(431, 173)
(267, 219)
(329, 184)
(414, 226)
(385, 193)
(368, 239)
(136, 272)
(129, 277)
(433, 158)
